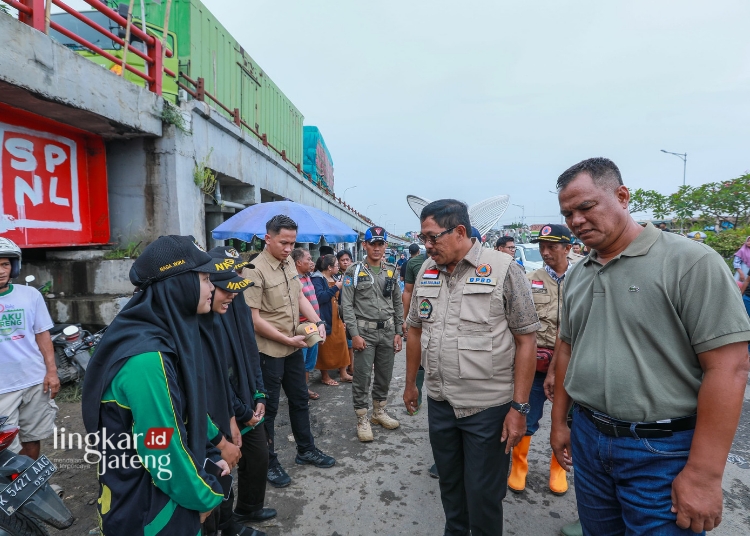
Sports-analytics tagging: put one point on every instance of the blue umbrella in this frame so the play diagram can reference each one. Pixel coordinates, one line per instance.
(312, 223)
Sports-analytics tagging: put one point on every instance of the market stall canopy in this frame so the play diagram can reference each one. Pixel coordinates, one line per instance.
(313, 224)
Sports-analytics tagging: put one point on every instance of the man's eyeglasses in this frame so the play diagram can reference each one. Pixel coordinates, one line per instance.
(432, 239)
(512, 248)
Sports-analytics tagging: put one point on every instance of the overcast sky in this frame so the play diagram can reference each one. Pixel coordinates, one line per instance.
(478, 98)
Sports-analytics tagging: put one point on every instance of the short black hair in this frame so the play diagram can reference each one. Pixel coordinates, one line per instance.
(448, 213)
(413, 249)
(279, 222)
(325, 262)
(342, 253)
(298, 253)
(503, 240)
(602, 171)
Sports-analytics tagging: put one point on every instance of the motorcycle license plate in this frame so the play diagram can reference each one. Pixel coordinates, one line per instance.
(26, 484)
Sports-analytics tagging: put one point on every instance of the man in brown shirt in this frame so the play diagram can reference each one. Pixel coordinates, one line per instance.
(472, 326)
(276, 301)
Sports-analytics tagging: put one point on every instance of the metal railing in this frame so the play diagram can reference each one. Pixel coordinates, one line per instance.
(36, 13)
(199, 93)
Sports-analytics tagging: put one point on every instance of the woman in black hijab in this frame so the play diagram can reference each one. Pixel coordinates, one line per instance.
(235, 329)
(224, 380)
(144, 399)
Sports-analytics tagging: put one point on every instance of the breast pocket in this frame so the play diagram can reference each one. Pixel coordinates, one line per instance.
(541, 297)
(475, 358)
(475, 304)
(276, 297)
(427, 300)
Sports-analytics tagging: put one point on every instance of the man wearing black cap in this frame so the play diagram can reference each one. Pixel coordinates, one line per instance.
(276, 301)
(373, 314)
(145, 398)
(555, 242)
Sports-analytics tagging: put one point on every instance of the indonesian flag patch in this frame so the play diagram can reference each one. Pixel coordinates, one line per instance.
(431, 274)
(537, 284)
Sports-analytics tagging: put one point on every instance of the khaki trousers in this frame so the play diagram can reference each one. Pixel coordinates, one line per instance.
(378, 352)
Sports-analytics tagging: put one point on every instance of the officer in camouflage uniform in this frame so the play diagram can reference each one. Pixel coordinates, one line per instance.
(373, 313)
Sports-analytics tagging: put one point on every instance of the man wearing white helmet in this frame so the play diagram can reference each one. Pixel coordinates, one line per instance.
(27, 358)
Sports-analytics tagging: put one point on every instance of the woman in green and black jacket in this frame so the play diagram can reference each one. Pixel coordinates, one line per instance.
(144, 398)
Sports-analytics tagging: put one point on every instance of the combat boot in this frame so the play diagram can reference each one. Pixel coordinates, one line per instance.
(364, 432)
(520, 465)
(379, 416)
(558, 479)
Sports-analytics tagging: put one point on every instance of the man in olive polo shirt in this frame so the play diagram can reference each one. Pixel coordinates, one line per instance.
(653, 351)
(276, 301)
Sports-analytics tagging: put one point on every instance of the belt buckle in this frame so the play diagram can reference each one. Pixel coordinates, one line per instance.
(380, 325)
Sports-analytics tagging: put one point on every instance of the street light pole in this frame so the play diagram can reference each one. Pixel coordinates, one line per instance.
(368, 208)
(523, 212)
(683, 157)
(350, 187)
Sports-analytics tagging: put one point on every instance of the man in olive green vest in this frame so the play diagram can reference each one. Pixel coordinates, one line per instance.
(471, 325)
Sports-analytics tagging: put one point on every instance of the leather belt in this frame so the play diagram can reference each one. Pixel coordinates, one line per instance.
(648, 430)
(375, 325)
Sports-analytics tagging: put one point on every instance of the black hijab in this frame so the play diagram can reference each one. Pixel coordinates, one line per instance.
(160, 318)
(215, 352)
(236, 325)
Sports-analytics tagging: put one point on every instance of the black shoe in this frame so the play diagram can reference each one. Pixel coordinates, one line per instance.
(316, 458)
(233, 528)
(278, 477)
(433, 471)
(264, 514)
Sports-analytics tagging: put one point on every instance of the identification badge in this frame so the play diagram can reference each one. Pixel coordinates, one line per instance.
(481, 280)
(484, 270)
(430, 282)
(425, 309)
(431, 274)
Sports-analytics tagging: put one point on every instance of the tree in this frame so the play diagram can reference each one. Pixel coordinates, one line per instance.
(713, 202)
(650, 200)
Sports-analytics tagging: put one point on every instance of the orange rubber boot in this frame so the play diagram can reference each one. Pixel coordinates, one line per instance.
(520, 465)
(558, 478)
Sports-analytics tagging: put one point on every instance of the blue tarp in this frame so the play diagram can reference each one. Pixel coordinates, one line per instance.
(313, 223)
(316, 159)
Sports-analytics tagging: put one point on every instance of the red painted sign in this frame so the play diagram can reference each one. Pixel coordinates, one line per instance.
(53, 180)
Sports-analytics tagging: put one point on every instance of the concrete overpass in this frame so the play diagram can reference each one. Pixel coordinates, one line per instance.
(150, 166)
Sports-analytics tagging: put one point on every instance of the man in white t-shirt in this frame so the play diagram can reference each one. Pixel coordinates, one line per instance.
(27, 359)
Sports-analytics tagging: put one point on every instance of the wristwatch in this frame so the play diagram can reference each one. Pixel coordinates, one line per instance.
(320, 323)
(523, 409)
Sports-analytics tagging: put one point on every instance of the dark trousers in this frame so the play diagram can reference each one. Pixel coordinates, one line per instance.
(473, 468)
(251, 470)
(287, 372)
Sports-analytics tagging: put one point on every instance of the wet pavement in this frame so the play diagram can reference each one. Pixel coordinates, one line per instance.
(383, 487)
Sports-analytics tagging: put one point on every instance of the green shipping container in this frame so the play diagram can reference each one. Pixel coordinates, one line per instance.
(206, 49)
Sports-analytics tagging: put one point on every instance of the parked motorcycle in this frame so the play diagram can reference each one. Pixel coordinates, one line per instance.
(27, 500)
(74, 347)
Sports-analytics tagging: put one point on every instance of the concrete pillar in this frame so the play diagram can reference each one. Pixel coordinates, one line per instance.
(213, 220)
